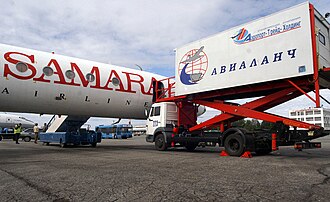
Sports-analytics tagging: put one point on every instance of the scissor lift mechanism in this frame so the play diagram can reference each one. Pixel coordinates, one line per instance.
(271, 94)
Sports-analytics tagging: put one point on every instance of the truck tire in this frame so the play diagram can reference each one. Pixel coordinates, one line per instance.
(234, 144)
(160, 143)
(26, 139)
(93, 144)
(191, 146)
(0, 138)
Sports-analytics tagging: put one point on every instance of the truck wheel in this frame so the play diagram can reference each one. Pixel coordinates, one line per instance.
(234, 145)
(27, 139)
(191, 146)
(160, 143)
(0, 137)
(93, 144)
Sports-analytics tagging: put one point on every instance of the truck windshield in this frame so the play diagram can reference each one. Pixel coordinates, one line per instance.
(157, 111)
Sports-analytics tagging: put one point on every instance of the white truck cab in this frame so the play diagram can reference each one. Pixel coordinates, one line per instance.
(161, 115)
(162, 119)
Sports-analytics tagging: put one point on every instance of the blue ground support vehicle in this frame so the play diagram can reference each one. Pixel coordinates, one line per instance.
(81, 137)
(120, 131)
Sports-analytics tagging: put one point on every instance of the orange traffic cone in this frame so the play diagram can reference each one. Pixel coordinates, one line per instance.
(223, 153)
(246, 154)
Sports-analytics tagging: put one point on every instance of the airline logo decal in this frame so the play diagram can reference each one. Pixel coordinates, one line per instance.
(127, 81)
(243, 36)
(193, 66)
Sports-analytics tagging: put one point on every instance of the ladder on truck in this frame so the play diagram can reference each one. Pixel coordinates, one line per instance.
(64, 123)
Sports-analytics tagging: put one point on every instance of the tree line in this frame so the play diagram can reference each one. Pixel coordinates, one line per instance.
(253, 124)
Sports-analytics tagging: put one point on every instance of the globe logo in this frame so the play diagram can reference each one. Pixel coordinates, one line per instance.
(193, 66)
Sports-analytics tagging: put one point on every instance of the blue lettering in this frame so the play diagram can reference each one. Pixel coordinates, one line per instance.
(248, 37)
(287, 27)
(253, 63)
(265, 60)
(214, 72)
(242, 65)
(292, 52)
(223, 69)
(232, 67)
(277, 57)
(273, 31)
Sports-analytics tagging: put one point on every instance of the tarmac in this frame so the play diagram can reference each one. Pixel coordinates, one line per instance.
(132, 170)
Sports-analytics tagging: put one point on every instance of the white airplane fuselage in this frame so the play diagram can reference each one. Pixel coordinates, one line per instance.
(10, 120)
(114, 92)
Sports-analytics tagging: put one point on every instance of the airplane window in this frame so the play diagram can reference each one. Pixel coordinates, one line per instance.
(21, 67)
(115, 81)
(70, 74)
(90, 77)
(48, 71)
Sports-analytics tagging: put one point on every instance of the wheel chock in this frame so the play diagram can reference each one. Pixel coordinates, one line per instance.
(246, 154)
(223, 153)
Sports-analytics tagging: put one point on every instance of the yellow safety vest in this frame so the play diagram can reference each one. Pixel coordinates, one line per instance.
(17, 130)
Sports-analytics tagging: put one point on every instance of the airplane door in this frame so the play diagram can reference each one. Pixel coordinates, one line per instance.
(157, 89)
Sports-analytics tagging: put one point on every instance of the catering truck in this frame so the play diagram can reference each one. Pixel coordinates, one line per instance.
(273, 59)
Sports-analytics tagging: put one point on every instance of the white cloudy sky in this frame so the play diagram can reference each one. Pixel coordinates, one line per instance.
(129, 32)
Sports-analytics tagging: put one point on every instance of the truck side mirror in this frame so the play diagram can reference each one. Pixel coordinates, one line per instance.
(146, 112)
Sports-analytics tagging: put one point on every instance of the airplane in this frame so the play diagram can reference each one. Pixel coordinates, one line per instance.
(195, 56)
(10, 120)
(38, 82)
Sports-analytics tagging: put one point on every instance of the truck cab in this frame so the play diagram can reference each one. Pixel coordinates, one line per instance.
(162, 117)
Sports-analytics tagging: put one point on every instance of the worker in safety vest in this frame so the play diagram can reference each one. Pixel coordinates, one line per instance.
(36, 132)
(17, 132)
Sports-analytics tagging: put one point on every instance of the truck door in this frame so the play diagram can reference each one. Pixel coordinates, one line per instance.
(153, 120)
